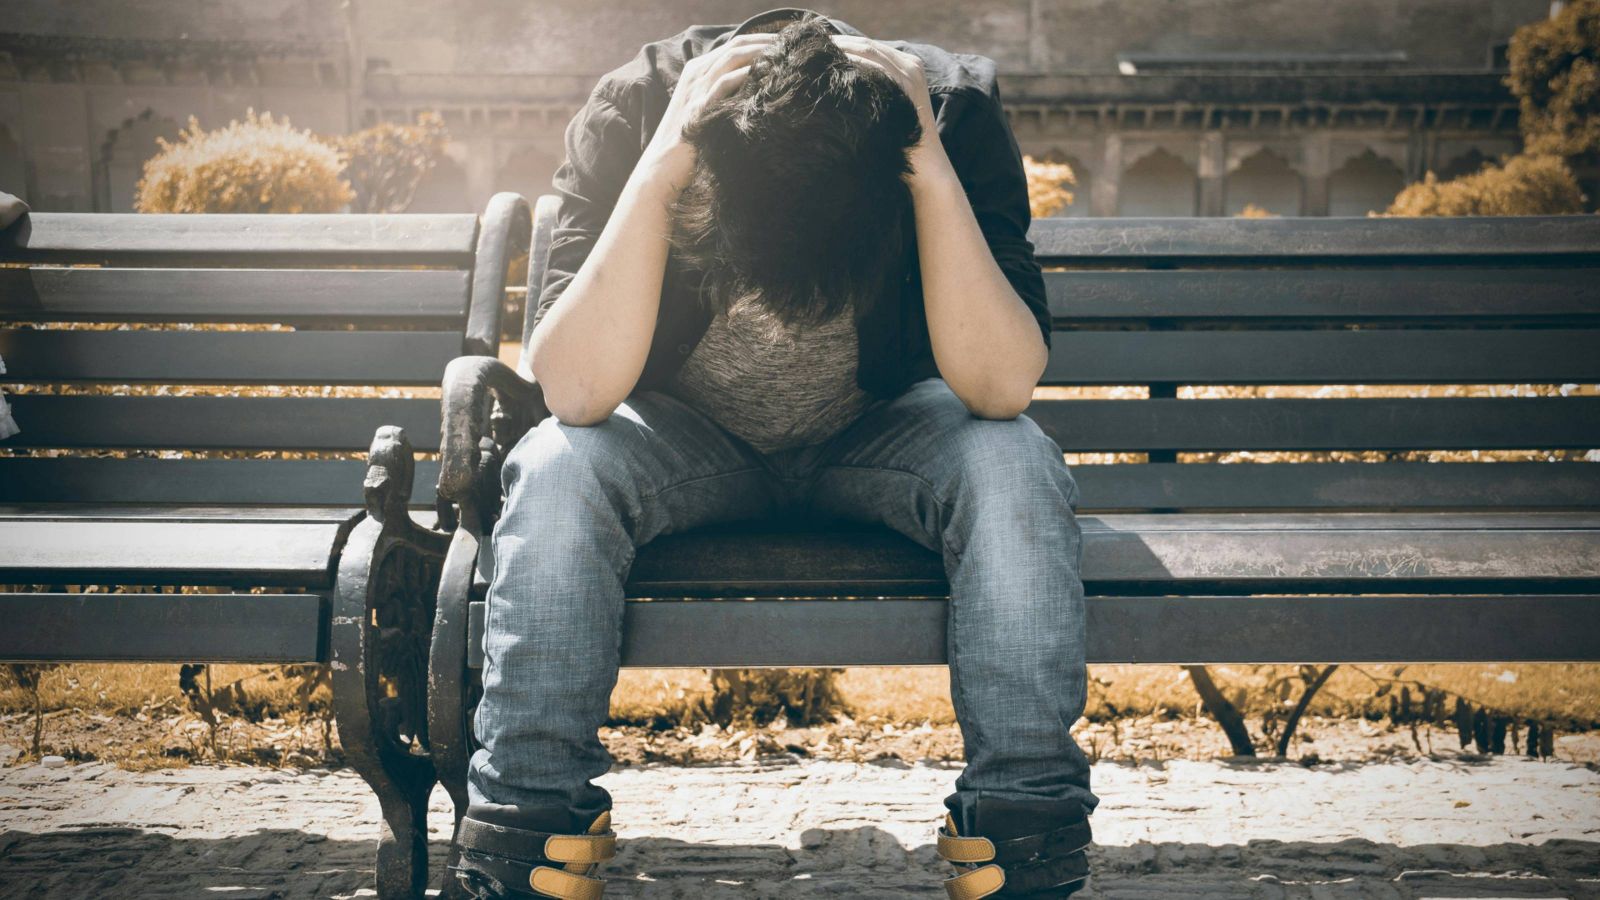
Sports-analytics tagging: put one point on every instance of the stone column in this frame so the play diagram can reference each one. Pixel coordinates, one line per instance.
(1212, 170)
(1317, 150)
(1103, 194)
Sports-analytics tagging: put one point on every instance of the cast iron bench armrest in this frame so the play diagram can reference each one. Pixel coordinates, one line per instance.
(487, 407)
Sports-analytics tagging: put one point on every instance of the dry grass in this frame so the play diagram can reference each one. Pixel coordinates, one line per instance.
(1558, 692)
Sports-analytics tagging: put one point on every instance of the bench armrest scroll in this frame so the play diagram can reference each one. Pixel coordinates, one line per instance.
(488, 407)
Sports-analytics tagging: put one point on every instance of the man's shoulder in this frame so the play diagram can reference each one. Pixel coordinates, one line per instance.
(658, 64)
(948, 71)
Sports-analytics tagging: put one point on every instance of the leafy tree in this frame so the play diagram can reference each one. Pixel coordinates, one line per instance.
(1048, 185)
(386, 162)
(1555, 74)
(260, 165)
(1527, 185)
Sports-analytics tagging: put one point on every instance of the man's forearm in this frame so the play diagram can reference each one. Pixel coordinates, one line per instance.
(591, 346)
(985, 340)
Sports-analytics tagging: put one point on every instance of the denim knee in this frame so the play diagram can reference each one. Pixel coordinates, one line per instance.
(1012, 464)
(560, 472)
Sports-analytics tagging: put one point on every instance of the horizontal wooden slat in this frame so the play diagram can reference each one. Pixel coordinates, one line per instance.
(1188, 240)
(133, 550)
(1468, 423)
(325, 238)
(334, 482)
(1352, 293)
(243, 628)
(91, 511)
(1120, 629)
(1172, 553)
(229, 357)
(1383, 356)
(233, 295)
(219, 423)
(1336, 486)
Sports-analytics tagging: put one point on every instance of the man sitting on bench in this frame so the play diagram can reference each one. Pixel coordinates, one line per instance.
(789, 277)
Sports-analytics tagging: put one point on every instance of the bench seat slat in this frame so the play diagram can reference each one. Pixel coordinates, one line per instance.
(133, 512)
(1349, 294)
(1335, 486)
(157, 551)
(1121, 629)
(327, 238)
(1388, 356)
(1157, 553)
(1146, 241)
(215, 628)
(229, 357)
(219, 423)
(233, 295)
(197, 481)
(1466, 423)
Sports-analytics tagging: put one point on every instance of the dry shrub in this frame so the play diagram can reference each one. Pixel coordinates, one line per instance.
(1047, 186)
(758, 696)
(1528, 185)
(386, 162)
(1555, 74)
(260, 165)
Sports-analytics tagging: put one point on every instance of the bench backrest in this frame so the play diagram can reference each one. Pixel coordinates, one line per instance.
(236, 359)
(1422, 314)
(1154, 318)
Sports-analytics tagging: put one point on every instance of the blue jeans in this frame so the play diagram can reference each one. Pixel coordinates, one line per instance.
(994, 497)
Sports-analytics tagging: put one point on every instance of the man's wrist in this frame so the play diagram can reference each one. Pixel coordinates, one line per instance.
(658, 179)
(931, 167)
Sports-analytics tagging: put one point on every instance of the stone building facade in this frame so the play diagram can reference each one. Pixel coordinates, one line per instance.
(1199, 107)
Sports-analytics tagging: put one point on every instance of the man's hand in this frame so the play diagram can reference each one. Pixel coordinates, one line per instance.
(906, 71)
(704, 80)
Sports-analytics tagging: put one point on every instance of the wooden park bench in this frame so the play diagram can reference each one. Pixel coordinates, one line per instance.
(262, 496)
(1184, 561)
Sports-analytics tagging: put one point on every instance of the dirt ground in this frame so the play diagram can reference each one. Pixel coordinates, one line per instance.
(793, 826)
(145, 741)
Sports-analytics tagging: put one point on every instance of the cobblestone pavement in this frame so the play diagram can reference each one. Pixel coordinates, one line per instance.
(1427, 829)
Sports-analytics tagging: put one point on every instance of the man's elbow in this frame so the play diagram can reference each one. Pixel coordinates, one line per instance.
(580, 411)
(572, 403)
(1004, 393)
(998, 398)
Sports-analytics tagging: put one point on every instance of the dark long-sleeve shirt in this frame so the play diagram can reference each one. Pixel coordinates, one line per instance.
(608, 136)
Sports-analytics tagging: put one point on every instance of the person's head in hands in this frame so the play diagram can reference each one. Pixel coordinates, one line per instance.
(798, 199)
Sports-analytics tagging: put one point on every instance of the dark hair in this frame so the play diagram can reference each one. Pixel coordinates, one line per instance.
(798, 198)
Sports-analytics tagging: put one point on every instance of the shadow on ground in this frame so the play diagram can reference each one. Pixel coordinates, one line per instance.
(859, 862)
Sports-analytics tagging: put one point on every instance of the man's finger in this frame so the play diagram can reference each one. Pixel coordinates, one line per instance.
(727, 83)
(879, 49)
(729, 57)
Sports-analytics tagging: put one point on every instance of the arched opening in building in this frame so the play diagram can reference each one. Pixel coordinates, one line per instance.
(1366, 183)
(124, 154)
(443, 189)
(1468, 163)
(1159, 184)
(1263, 181)
(528, 172)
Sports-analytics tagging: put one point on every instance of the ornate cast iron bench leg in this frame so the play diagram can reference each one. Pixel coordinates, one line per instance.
(382, 625)
(453, 689)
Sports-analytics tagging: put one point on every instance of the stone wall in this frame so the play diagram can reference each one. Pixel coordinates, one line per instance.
(1164, 107)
